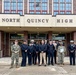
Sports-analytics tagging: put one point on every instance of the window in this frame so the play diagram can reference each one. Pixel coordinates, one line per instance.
(13, 6)
(62, 7)
(38, 6)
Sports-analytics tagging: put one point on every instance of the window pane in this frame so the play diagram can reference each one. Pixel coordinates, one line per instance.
(31, 0)
(56, 0)
(68, 0)
(61, 12)
(55, 13)
(38, 6)
(62, 0)
(6, 6)
(20, 6)
(62, 6)
(20, 0)
(44, 0)
(13, 6)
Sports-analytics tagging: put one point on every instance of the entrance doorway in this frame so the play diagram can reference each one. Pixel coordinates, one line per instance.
(13, 37)
(37, 37)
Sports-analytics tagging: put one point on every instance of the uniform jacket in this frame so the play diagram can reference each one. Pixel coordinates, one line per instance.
(46, 46)
(51, 48)
(15, 48)
(30, 49)
(37, 47)
(61, 47)
(24, 47)
(72, 48)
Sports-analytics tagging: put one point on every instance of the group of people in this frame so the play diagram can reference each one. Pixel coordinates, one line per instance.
(45, 53)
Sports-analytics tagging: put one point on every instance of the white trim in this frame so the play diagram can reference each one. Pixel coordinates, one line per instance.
(2, 6)
(52, 7)
(48, 6)
(23, 7)
(27, 6)
(72, 7)
(0, 40)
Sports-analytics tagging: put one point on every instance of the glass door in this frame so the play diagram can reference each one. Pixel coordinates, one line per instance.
(13, 37)
(37, 37)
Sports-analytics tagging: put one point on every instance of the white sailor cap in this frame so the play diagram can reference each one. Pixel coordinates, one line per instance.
(61, 43)
(32, 40)
(71, 41)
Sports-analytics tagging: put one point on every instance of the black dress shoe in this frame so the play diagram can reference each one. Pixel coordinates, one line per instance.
(53, 64)
(48, 64)
(39, 65)
(45, 65)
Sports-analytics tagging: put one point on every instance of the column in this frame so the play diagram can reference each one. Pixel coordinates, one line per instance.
(68, 37)
(25, 35)
(2, 47)
(7, 45)
(50, 35)
(74, 36)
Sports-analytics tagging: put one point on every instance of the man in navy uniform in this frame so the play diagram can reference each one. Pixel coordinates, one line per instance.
(46, 43)
(30, 54)
(24, 49)
(37, 53)
(34, 51)
(50, 51)
(55, 53)
(72, 49)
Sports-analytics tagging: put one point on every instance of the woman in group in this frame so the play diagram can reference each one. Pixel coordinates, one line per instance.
(61, 54)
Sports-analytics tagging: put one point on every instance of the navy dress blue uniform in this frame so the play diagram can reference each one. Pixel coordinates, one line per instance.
(37, 54)
(71, 49)
(46, 51)
(34, 53)
(50, 51)
(24, 49)
(30, 54)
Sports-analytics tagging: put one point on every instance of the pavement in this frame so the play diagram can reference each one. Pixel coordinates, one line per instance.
(35, 69)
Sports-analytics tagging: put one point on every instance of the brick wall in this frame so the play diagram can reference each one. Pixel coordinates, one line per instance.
(25, 6)
(50, 35)
(50, 6)
(74, 6)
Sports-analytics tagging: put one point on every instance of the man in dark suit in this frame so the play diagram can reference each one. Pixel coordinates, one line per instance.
(50, 51)
(42, 49)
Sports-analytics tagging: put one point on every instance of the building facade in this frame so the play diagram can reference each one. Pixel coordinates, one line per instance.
(36, 19)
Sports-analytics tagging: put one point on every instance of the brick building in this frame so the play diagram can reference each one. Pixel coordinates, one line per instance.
(36, 19)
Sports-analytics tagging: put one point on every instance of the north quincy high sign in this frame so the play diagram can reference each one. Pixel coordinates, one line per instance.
(64, 20)
(38, 20)
(10, 19)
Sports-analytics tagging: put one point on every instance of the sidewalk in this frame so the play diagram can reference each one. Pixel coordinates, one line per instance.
(7, 60)
(35, 69)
